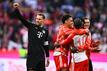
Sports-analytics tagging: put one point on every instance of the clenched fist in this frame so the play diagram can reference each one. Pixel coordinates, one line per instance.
(15, 5)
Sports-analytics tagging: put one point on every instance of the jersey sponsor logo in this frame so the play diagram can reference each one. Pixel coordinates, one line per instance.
(40, 34)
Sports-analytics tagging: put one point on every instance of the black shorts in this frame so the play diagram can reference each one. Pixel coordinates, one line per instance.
(35, 65)
(90, 65)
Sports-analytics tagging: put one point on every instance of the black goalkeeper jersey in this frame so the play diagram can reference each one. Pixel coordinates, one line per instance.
(38, 45)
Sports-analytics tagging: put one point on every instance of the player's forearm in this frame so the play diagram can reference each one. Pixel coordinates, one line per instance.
(82, 31)
(73, 33)
(21, 18)
(46, 48)
(67, 40)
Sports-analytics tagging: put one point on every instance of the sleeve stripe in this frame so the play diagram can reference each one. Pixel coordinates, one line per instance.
(46, 43)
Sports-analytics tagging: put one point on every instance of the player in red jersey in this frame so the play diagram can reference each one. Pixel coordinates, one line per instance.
(80, 43)
(61, 53)
(94, 44)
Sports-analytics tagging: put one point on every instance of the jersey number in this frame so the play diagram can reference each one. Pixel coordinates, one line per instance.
(79, 40)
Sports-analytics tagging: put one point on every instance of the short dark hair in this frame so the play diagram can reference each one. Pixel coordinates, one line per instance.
(85, 18)
(41, 14)
(78, 23)
(65, 17)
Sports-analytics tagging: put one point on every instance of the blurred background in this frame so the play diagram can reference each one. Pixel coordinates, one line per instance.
(13, 35)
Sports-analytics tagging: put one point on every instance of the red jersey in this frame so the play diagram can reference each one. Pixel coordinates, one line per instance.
(60, 53)
(91, 45)
(63, 32)
(79, 59)
(72, 34)
(89, 41)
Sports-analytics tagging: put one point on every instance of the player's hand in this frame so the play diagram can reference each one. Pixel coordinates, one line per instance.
(16, 5)
(47, 62)
(96, 43)
(56, 44)
(74, 50)
(93, 48)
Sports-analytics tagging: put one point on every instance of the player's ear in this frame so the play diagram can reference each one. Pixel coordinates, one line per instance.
(66, 21)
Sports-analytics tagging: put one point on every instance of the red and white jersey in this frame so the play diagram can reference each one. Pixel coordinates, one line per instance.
(61, 53)
(62, 34)
(80, 40)
(89, 41)
(74, 32)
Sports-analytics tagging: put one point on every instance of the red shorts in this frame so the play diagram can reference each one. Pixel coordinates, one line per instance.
(80, 66)
(61, 59)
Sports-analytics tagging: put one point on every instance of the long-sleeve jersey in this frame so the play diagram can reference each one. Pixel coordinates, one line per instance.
(37, 38)
(74, 32)
(81, 40)
(91, 44)
(88, 43)
(61, 53)
(62, 34)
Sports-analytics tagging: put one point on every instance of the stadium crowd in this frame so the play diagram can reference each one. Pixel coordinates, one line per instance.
(13, 35)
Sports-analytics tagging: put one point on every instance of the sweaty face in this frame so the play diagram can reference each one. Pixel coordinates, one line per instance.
(39, 20)
(87, 23)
